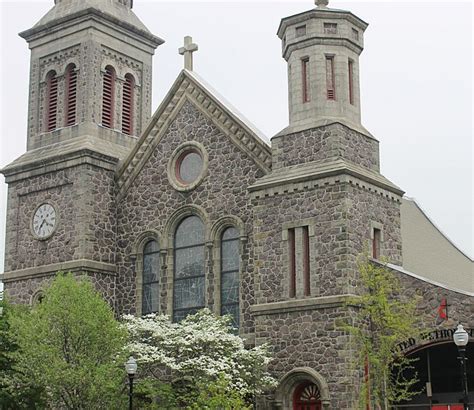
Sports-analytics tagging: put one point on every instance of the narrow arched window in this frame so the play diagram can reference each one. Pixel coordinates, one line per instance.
(51, 101)
(127, 105)
(108, 97)
(230, 283)
(151, 277)
(189, 260)
(71, 95)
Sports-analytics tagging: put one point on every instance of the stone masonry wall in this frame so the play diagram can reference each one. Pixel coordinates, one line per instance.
(84, 200)
(313, 339)
(325, 143)
(151, 201)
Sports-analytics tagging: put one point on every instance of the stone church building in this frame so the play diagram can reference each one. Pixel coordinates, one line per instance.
(192, 207)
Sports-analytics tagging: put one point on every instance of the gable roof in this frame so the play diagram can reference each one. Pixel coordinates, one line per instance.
(189, 86)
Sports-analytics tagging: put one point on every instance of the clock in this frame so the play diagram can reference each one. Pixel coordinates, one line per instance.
(44, 221)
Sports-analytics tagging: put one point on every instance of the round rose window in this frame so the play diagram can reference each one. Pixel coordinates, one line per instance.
(189, 167)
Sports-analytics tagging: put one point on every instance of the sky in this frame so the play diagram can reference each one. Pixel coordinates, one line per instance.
(416, 84)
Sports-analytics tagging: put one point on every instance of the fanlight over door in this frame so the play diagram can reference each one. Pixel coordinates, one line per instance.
(307, 397)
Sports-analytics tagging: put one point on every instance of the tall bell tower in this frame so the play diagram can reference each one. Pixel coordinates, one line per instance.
(89, 100)
(91, 67)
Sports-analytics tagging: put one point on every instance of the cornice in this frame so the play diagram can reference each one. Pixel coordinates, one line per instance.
(85, 265)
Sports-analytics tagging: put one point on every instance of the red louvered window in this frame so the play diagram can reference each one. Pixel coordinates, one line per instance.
(71, 95)
(127, 105)
(108, 96)
(351, 81)
(330, 80)
(52, 101)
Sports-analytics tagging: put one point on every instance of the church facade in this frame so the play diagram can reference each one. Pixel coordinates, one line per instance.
(193, 208)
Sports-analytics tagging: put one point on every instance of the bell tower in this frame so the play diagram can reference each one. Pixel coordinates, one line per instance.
(90, 74)
(322, 48)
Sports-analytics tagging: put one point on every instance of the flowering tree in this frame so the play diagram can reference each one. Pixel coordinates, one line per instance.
(199, 350)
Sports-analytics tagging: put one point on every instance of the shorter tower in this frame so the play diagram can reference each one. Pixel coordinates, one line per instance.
(322, 47)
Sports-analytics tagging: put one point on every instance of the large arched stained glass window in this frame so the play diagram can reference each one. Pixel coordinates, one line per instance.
(230, 260)
(151, 277)
(189, 276)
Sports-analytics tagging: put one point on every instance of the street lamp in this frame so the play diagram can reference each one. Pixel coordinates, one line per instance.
(461, 338)
(131, 368)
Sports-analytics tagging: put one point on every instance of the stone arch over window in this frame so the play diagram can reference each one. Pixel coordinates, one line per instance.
(295, 381)
(37, 297)
(146, 254)
(228, 236)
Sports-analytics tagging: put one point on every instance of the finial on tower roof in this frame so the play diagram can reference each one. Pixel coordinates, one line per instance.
(321, 3)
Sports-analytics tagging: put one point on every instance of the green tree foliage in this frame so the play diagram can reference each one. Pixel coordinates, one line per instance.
(68, 345)
(24, 394)
(384, 319)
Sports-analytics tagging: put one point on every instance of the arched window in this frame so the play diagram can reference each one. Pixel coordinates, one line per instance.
(151, 277)
(189, 276)
(71, 95)
(127, 105)
(307, 397)
(108, 97)
(51, 101)
(230, 260)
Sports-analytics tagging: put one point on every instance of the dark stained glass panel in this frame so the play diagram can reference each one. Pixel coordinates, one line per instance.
(189, 262)
(230, 283)
(190, 167)
(151, 277)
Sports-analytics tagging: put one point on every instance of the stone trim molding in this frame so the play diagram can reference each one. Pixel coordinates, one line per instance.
(69, 266)
(291, 187)
(188, 88)
(14, 172)
(309, 222)
(171, 169)
(293, 305)
(175, 219)
(290, 381)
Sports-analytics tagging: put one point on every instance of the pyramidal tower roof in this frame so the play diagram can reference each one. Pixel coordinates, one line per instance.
(119, 11)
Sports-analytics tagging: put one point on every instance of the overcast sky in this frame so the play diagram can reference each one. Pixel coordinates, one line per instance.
(416, 84)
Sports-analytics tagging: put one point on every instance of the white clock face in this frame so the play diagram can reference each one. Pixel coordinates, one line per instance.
(44, 221)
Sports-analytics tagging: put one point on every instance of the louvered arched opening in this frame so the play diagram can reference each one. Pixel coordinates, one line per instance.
(52, 101)
(71, 95)
(127, 105)
(108, 96)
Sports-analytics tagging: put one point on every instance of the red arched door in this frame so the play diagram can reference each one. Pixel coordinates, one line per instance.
(307, 397)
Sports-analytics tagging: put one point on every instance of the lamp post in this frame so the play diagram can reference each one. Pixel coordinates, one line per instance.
(461, 338)
(131, 368)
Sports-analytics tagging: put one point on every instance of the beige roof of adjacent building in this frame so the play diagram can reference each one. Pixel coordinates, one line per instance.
(429, 253)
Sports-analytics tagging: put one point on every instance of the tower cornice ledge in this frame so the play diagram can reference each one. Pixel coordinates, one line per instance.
(42, 30)
(312, 124)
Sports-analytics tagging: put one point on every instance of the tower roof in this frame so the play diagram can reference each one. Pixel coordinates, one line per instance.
(119, 11)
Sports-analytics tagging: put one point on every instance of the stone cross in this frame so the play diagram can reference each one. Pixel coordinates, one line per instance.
(187, 50)
(321, 3)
